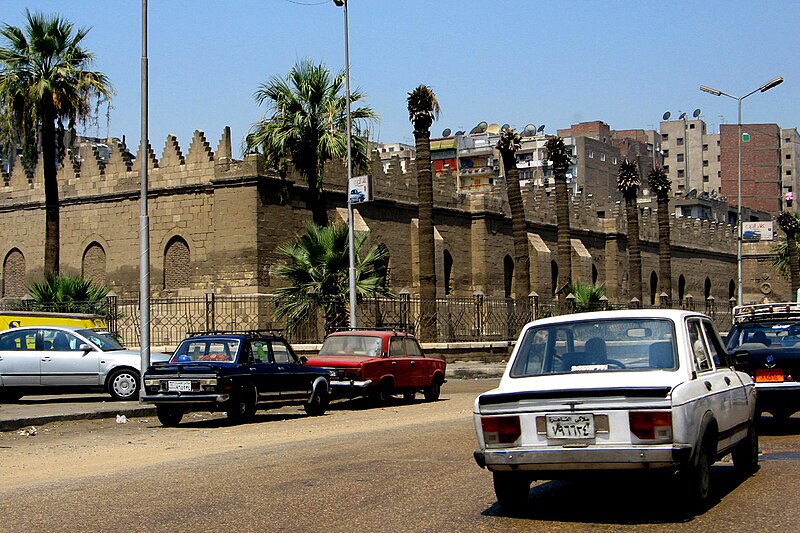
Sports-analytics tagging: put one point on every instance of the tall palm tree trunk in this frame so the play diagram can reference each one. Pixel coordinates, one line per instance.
(52, 221)
(634, 249)
(564, 246)
(794, 267)
(522, 258)
(427, 252)
(664, 250)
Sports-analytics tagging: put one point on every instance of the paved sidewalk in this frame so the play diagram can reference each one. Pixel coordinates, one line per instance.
(33, 411)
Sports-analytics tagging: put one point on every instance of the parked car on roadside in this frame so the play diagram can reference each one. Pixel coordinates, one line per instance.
(751, 235)
(614, 391)
(52, 359)
(379, 363)
(771, 335)
(235, 372)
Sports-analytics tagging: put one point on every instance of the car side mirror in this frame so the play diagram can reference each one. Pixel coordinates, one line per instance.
(84, 348)
(741, 358)
(303, 359)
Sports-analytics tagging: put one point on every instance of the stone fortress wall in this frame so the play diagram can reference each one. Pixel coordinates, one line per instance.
(216, 221)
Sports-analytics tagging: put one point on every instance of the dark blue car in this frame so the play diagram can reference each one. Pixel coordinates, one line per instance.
(234, 372)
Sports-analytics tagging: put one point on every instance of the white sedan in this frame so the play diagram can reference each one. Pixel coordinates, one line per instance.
(616, 390)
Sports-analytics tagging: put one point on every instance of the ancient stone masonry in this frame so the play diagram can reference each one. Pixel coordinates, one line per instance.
(225, 217)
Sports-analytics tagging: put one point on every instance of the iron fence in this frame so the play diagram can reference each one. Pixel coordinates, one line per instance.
(450, 319)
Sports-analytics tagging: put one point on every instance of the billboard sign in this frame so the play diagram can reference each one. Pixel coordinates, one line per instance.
(757, 231)
(360, 189)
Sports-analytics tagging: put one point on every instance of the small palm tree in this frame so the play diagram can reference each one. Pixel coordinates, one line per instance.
(790, 225)
(316, 270)
(44, 84)
(560, 157)
(508, 144)
(423, 109)
(662, 185)
(307, 126)
(588, 296)
(628, 184)
(69, 294)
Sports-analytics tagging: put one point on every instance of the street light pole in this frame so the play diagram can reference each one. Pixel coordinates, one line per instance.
(765, 87)
(144, 221)
(350, 232)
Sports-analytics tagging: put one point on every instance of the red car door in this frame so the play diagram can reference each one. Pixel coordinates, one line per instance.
(401, 363)
(421, 366)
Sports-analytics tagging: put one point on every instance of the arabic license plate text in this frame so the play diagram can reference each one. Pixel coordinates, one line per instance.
(771, 375)
(180, 386)
(570, 426)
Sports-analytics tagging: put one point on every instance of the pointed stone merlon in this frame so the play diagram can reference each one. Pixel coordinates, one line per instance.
(200, 154)
(172, 156)
(224, 151)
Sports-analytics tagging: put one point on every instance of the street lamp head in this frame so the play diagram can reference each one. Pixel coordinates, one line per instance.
(339, 3)
(771, 83)
(711, 91)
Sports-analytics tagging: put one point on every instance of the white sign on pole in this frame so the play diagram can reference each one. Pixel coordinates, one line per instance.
(757, 231)
(360, 189)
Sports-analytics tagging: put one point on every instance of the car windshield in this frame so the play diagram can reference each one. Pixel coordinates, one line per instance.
(206, 350)
(596, 346)
(756, 336)
(102, 339)
(364, 345)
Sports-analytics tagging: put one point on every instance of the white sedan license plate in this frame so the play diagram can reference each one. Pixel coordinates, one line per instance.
(570, 426)
(180, 386)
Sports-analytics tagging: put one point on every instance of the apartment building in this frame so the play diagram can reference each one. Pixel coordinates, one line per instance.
(691, 156)
(790, 152)
(762, 186)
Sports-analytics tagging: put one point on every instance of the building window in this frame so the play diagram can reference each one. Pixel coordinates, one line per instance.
(691, 126)
(666, 169)
(681, 173)
(591, 154)
(602, 157)
(14, 275)
(705, 179)
(94, 264)
(177, 260)
(717, 158)
(679, 141)
(680, 158)
(788, 172)
(788, 156)
(705, 162)
(614, 160)
(664, 136)
(665, 153)
(705, 147)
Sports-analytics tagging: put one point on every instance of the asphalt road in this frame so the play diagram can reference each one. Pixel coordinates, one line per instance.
(406, 467)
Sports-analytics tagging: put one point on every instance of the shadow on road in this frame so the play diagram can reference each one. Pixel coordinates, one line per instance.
(75, 398)
(771, 426)
(626, 500)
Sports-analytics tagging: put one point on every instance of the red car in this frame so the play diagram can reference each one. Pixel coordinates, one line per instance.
(378, 363)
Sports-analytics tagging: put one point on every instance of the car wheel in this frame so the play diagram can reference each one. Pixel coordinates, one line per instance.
(512, 490)
(318, 403)
(745, 454)
(242, 406)
(124, 384)
(781, 415)
(432, 393)
(381, 394)
(169, 417)
(697, 479)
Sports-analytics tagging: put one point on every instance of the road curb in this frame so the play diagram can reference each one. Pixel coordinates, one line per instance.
(18, 423)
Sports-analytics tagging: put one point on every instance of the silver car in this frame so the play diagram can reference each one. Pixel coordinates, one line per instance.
(44, 359)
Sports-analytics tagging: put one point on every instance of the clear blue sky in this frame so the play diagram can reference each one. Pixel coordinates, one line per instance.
(505, 61)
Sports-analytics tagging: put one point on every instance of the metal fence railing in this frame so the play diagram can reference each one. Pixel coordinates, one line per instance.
(450, 319)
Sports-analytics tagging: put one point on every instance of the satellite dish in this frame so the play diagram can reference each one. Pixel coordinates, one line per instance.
(529, 130)
(493, 128)
(459, 132)
(541, 128)
(683, 116)
(505, 126)
(696, 113)
(475, 130)
(482, 126)
(446, 132)
(666, 116)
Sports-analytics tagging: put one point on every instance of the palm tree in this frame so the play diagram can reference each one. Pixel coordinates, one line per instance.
(662, 185)
(69, 294)
(423, 109)
(307, 125)
(561, 158)
(588, 296)
(628, 184)
(45, 84)
(510, 141)
(316, 269)
(791, 226)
